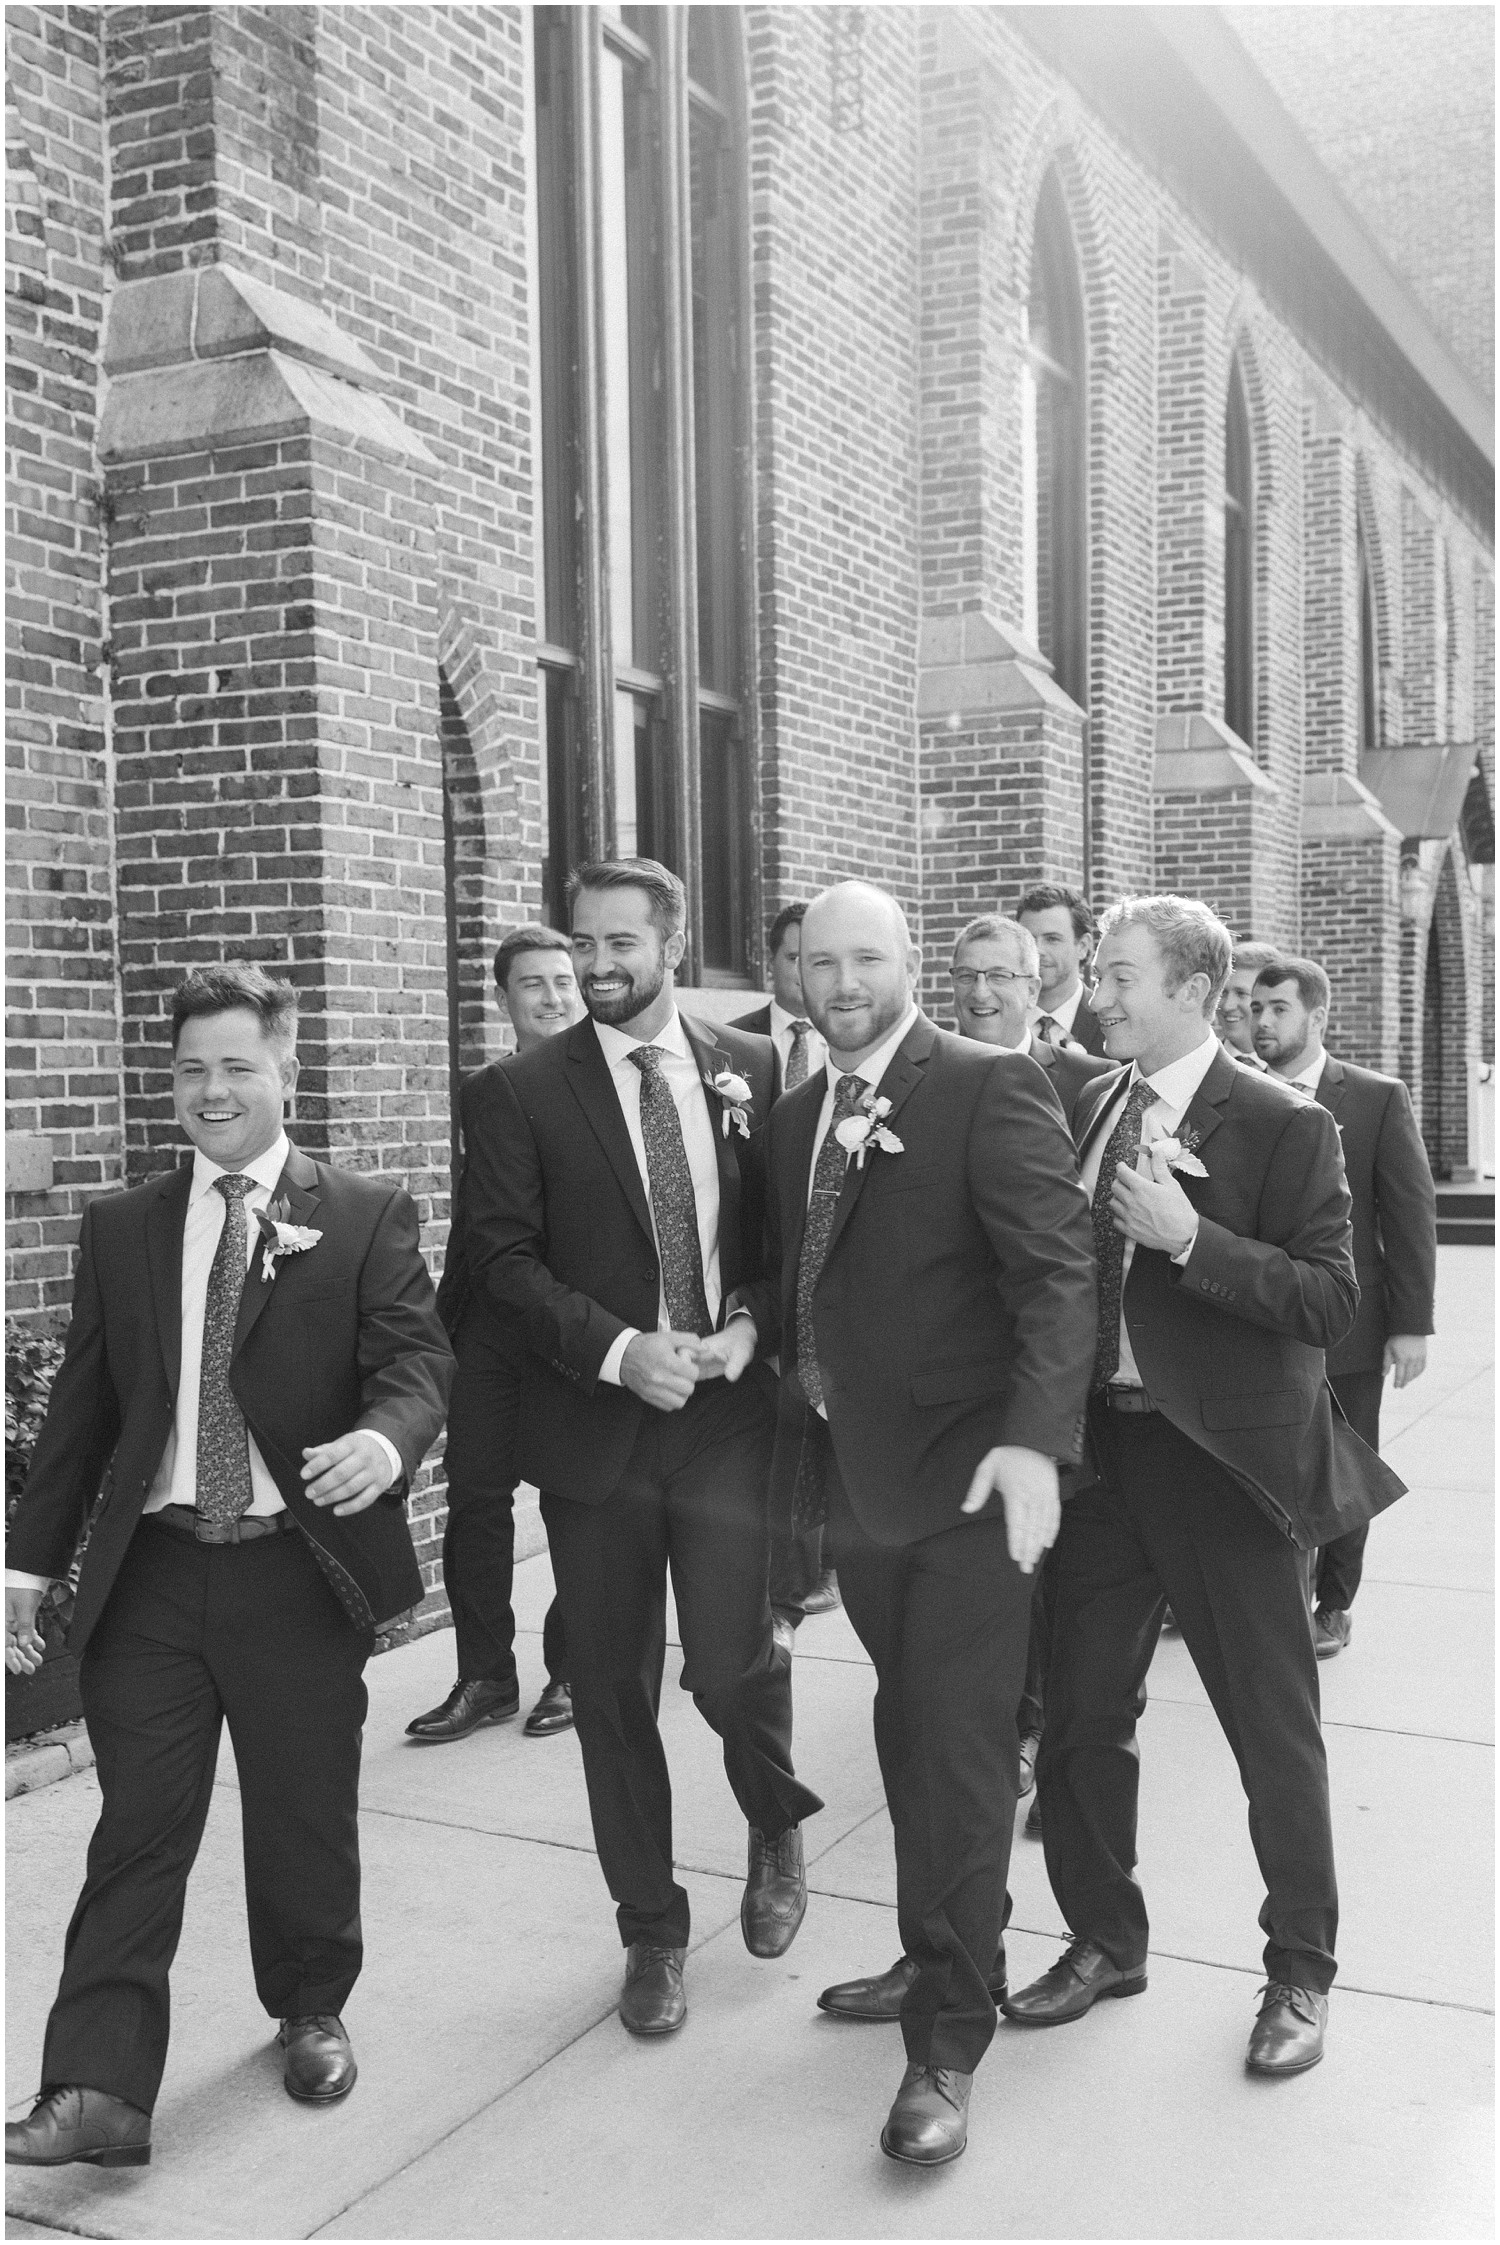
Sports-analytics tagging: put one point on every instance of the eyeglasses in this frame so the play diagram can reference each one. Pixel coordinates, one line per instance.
(969, 978)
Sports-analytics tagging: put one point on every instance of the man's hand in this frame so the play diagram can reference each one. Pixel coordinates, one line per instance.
(23, 1642)
(1154, 1212)
(729, 1352)
(661, 1368)
(1026, 1483)
(1405, 1357)
(348, 1474)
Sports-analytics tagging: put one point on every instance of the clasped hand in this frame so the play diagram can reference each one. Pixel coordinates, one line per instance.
(664, 1368)
(1154, 1211)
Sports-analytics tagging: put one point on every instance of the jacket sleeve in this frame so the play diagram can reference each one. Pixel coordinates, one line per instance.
(761, 1296)
(1023, 1176)
(506, 1218)
(1296, 1276)
(1406, 1211)
(405, 1362)
(78, 1436)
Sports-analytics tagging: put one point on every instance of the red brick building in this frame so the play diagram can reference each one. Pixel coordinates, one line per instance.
(951, 445)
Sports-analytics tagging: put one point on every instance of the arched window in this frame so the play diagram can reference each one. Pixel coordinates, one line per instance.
(643, 368)
(1369, 648)
(1239, 562)
(1446, 698)
(1054, 450)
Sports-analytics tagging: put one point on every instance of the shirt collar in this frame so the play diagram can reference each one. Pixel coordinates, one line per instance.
(617, 1047)
(1312, 1074)
(1023, 1046)
(1064, 1015)
(781, 1019)
(1175, 1084)
(265, 1169)
(880, 1059)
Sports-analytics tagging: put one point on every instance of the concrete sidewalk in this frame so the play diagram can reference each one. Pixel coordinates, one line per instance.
(499, 2097)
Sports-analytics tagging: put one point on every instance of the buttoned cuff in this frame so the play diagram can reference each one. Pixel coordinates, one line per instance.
(609, 1370)
(393, 1457)
(1181, 1257)
(16, 1580)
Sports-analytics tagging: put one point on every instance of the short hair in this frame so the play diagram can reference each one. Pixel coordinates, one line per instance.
(1191, 939)
(1313, 985)
(1255, 955)
(233, 986)
(992, 925)
(790, 916)
(1046, 894)
(667, 894)
(532, 937)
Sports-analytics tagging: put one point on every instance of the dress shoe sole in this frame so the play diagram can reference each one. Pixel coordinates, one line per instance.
(319, 2096)
(549, 1728)
(1329, 1652)
(922, 2158)
(873, 2018)
(1273, 2073)
(106, 2155)
(662, 2027)
(448, 1738)
(1066, 2018)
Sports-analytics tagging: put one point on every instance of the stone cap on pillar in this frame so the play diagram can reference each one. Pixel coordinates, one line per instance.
(970, 666)
(1200, 755)
(1421, 789)
(1336, 807)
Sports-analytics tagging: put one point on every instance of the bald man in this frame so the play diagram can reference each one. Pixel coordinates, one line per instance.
(930, 1289)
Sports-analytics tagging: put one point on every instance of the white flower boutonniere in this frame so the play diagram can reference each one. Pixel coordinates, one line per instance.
(735, 1095)
(860, 1134)
(280, 1237)
(1177, 1153)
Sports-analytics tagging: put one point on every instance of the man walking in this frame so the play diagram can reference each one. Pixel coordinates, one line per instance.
(1221, 1223)
(1395, 1235)
(614, 1204)
(1062, 925)
(930, 1290)
(539, 997)
(255, 1356)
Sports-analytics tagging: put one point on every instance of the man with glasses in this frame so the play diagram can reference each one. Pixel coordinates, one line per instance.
(996, 974)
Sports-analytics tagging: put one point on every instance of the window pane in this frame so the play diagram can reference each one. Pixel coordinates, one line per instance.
(1055, 343)
(556, 323)
(617, 369)
(627, 711)
(715, 406)
(726, 821)
(565, 826)
(1239, 582)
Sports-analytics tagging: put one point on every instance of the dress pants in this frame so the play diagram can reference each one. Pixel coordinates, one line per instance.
(479, 1541)
(1029, 1716)
(1167, 1524)
(693, 1498)
(945, 1622)
(195, 1635)
(796, 1568)
(1342, 1562)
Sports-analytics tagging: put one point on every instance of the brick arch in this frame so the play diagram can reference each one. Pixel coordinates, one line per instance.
(1437, 1031)
(1055, 141)
(1369, 522)
(1241, 344)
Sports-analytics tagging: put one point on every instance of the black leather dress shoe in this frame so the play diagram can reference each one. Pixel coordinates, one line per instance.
(552, 1712)
(823, 1598)
(320, 2065)
(879, 1999)
(1033, 1826)
(1332, 1630)
(652, 2001)
(71, 2123)
(775, 1897)
(465, 1708)
(1081, 1975)
(929, 2122)
(1287, 2038)
(1030, 1748)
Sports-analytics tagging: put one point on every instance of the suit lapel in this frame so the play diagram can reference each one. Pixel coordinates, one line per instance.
(164, 1222)
(1205, 1110)
(1105, 1090)
(900, 1080)
(1331, 1085)
(594, 1088)
(711, 1057)
(297, 1186)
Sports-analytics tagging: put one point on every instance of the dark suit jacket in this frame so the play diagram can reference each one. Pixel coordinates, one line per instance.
(1395, 1210)
(1068, 1072)
(559, 1233)
(455, 1294)
(758, 1024)
(344, 1336)
(1232, 1345)
(957, 1305)
(1086, 1030)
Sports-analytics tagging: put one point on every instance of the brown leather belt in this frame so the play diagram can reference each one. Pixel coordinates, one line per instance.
(1129, 1399)
(183, 1521)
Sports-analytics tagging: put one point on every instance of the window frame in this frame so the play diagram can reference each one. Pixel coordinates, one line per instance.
(1240, 617)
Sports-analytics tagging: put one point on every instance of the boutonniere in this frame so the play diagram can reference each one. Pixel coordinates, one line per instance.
(1180, 1153)
(280, 1237)
(859, 1134)
(735, 1097)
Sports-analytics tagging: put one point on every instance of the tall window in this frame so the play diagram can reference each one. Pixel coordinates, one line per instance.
(1239, 562)
(643, 369)
(1369, 651)
(1053, 451)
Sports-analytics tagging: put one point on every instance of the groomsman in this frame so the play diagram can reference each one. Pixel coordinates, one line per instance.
(1222, 1227)
(1395, 1235)
(801, 1585)
(930, 1290)
(614, 1204)
(539, 997)
(1234, 1021)
(1063, 925)
(255, 1357)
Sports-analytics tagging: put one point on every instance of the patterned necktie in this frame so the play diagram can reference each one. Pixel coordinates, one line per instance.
(827, 1184)
(223, 1484)
(1109, 1245)
(796, 1059)
(674, 1204)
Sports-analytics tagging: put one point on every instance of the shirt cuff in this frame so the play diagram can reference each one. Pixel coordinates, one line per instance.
(16, 1580)
(397, 1464)
(1180, 1258)
(609, 1370)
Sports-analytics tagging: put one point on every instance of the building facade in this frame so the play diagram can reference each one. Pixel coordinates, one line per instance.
(956, 446)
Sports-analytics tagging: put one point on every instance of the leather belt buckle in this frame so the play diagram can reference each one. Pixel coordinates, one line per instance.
(1129, 1399)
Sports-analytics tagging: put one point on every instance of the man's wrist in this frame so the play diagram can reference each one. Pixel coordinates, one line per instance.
(609, 1370)
(393, 1457)
(1181, 1257)
(15, 1579)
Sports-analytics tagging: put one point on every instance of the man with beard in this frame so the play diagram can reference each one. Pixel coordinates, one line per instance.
(930, 1289)
(614, 1204)
(1395, 1235)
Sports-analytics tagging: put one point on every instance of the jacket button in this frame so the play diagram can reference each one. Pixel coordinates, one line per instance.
(649, 1274)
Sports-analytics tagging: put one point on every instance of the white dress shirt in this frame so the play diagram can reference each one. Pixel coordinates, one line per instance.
(680, 1067)
(176, 1479)
(781, 1038)
(1064, 1015)
(1308, 1079)
(1175, 1086)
